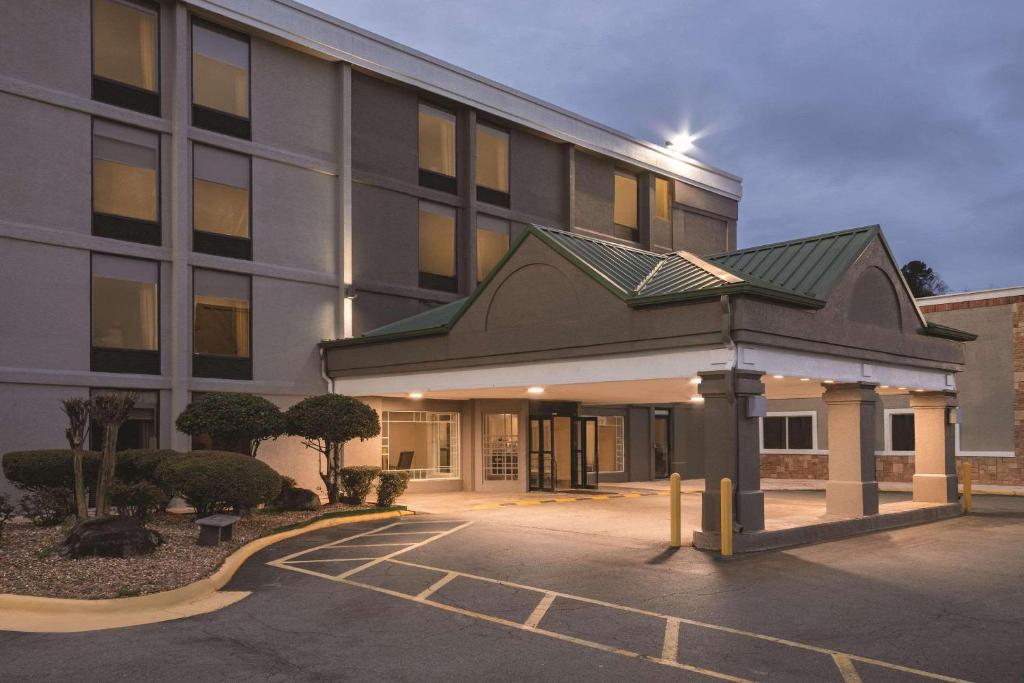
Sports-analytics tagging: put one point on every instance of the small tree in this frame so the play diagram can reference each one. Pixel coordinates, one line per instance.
(231, 418)
(78, 411)
(325, 423)
(110, 411)
(922, 279)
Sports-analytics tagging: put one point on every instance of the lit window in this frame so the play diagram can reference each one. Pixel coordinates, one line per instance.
(220, 80)
(220, 202)
(437, 247)
(501, 447)
(125, 183)
(611, 444)
(626, 202)
(220, 321)
(424, 444)
(492, 239)
(788, 432)
(662, 199)
(125, 315)
(492, 163)
(125, 57)
(437, 148)
(901, 431)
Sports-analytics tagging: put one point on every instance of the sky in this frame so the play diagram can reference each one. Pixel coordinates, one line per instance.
(904, 113)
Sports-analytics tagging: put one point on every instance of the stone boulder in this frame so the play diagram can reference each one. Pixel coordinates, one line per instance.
(293, 498)
(109, 537)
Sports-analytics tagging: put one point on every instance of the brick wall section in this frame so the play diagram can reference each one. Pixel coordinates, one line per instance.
(901, 467)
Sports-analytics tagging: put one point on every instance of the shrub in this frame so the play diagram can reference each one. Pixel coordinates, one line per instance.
(48, 505)
(141, 464)
(6, 512)
(391, 485)
(231, 418)
(357, 481)
(214, 481)
(53, 468)
(325, 423)
(139, 499)
(293, 499)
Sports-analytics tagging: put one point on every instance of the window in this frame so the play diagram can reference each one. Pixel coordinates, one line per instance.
(899, 430)
(220, 80)
(423, 443)
(125, 183)
(437, 247)
(501, 447)
(662, 199)
(789, 432)
(625, 205)
(492, 164)
(125, 315)
(140, 430)
(611, 444)
(221, 325)
(125, 54)
(220, 202)
(492, 239)
(437, 148)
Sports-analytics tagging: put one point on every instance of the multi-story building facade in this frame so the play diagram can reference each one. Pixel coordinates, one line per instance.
(194, 193)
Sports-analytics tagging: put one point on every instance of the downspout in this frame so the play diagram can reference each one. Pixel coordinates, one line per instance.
(727, 340)
(329, 381)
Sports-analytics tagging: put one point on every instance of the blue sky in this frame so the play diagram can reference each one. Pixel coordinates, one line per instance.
(905, 113)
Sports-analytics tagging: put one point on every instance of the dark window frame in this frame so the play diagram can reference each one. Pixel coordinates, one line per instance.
(229, 246)
(489, 195)
(618, 229)
(221, 367)
(786, 434)
(214, 119)
(439, 283)
(120, 94)
(119, 227)
(432, 179)
(911, 435)
(127, 361)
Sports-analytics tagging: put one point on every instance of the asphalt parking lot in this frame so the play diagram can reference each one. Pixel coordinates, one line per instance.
(480, 596)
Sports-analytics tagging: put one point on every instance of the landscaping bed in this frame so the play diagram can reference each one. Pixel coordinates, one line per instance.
(28, 565)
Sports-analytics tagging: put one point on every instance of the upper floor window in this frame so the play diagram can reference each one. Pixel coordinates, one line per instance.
(437, 247)
(662, 199)
(437, 148)
(492, 239)
(625, 213)
(221, 325)
(220, 80)
(492, 165)
(125, 183)
(125, 54)
(789, 432)
(125, 315)
(220, 202)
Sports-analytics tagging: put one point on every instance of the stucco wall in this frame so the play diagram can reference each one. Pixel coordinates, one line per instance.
(595, 193)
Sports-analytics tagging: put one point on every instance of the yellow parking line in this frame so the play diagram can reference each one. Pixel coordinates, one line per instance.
(539, 611)
(670, 647)
(846, 668)
(436, 586)
(528, 502)
(566, 500)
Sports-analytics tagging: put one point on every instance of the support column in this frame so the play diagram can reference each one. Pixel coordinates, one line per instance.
(935, 447)
(852, 490)
(732, 448)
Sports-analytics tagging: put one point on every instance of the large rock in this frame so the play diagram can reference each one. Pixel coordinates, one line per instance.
(109, 537)
(294, 498)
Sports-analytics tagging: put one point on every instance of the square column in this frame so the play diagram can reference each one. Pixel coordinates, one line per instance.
(935, 447)
(732, 448)
(852, 490)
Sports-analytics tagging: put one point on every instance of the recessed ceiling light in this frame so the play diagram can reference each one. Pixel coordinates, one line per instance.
(535, 390)
(805, 379)
(779, 376)
(884, 386)
(415, 394)
(696, 399)
(695, 380)
(901, 388)
(829, 381)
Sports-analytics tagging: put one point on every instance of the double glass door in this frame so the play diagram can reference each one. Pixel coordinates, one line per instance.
(546, 451)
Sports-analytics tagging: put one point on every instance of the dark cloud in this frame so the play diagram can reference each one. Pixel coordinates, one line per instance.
(909, 114)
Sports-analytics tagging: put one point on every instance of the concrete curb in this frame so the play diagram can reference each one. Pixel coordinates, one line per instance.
(65, 615)
(827, 531)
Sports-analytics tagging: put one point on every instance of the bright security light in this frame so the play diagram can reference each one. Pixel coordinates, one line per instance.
(682, 142)
(535, 390)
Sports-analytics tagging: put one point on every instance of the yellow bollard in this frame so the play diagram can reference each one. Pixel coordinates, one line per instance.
(967, 486)
(674, 493)
(725, 520)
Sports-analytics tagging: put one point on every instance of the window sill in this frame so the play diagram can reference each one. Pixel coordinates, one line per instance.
(793, 451)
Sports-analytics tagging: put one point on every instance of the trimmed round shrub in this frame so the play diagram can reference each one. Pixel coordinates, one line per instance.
(47, 505)
(139, 499)
(215, 481)
(391, 484)
(357, 481)
(231, 419)
(295, 499)
(141, 464)
(51, 468)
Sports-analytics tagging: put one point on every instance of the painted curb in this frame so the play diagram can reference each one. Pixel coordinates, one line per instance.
(172, 604)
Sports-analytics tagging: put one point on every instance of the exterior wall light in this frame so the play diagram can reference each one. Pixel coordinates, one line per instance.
(535, 390)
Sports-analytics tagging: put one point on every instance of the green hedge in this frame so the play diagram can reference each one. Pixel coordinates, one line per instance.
(357, 481)
(392, 484)
(214, 481)
(52, 468)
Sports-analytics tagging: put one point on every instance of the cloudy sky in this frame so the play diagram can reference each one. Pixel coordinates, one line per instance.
(836, 114)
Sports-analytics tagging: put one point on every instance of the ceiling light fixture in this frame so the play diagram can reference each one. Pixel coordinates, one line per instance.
(695, 380)
(535, 390)
(805, 379)
(696, 399)
(779, 376)
(415, 394)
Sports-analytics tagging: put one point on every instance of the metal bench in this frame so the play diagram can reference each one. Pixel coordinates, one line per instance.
(216, 528)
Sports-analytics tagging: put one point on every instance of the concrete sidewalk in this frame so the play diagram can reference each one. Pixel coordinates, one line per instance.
(697, 485)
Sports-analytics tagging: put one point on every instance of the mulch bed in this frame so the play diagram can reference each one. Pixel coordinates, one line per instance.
(28, 565)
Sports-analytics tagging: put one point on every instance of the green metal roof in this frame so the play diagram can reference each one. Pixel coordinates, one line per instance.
(810, 266)
(430, 319)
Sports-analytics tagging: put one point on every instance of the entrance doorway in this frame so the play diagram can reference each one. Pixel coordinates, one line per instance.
(662, 444)
(563, 452)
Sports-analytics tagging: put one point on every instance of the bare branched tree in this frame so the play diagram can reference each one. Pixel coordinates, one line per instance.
(110, 411)
(78, 411)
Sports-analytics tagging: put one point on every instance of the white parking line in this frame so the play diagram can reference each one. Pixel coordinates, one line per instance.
(436, 586)
(670, 646)
(540, 610)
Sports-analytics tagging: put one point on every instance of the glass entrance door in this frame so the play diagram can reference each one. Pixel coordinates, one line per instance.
(662, 444)
(584, 453)
(542, 454)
